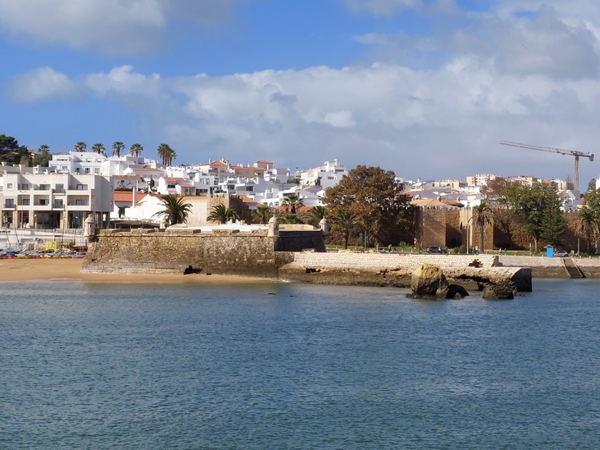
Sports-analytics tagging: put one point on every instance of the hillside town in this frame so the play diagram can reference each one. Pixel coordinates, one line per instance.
(128, 191)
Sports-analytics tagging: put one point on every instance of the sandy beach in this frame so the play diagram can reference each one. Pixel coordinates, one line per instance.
(25, 269)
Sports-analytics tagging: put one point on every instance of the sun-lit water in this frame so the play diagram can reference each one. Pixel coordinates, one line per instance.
(279, 366)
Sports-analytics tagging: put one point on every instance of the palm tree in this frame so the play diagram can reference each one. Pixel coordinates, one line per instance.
(221, 213)
(136, 149)
(588, 225)
(43, 157)
(175, 209)
(80, 147)
(117, 148)
(346, 221)
(483, 216)
(263, 213)
(316, 214)
(290, 219)
(99, 148)
(166, 153)
(292, 201)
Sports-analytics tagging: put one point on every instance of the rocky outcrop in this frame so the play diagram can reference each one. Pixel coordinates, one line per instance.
(456, 292)
(428, 281)
(502, 291)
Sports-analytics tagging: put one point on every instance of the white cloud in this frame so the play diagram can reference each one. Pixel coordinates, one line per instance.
(120, 27)
(41, 84)
(414, 122)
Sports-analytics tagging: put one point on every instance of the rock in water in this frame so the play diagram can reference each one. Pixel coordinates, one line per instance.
(498, 292)
(456, 292)
(428, 281)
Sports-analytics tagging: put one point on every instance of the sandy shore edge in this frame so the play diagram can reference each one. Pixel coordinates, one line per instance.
(25, 269)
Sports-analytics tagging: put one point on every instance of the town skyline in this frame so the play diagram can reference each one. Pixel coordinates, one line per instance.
(421, 88)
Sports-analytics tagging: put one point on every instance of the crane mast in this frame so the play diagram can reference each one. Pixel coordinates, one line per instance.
(560, 151)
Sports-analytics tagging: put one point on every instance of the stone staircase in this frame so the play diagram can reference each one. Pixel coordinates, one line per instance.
(572, 269)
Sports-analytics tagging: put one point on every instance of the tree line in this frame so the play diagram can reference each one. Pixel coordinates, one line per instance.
(11, 152)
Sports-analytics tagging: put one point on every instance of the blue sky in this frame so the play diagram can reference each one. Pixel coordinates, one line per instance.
(426, 88)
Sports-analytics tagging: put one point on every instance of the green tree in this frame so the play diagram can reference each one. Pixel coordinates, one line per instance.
(43, 157)
(539, 208)
(221, 213)
(80, 147)
(482, 216)
(587, 225)
(166, 154)
(10, 150)
(375, 199)
(346, 221)
(99, 148)
(315, 215)
(136, 149)
(290, 219)
(501, 196)
(175, 209)
(292, 202)
(262, 213)
(553, 222)
(117, 148)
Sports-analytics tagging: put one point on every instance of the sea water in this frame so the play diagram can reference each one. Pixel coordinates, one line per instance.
(295, 366)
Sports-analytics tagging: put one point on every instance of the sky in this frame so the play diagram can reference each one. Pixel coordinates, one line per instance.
(426, 88)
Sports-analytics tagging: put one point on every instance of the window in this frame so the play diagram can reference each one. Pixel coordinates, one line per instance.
(24, 187)
(25, 202)
(87, 170)
(96, 170)
(9, 203)
(9, 186)
(58, 203)
(81, 202)
(82, 187)
(44, 187)
(59, 187)
(170, 186)
(44, 202)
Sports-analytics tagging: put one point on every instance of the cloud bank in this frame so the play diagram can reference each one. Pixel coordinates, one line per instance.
(114, 27)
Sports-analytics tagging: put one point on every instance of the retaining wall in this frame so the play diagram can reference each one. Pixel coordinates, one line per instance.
(382, 269)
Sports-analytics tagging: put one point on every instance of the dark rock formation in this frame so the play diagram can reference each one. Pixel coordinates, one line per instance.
(456, 291)
(428, 281)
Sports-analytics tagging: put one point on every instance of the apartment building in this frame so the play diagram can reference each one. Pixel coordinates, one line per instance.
(54, 200)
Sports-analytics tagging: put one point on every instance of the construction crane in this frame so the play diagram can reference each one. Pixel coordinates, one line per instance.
(559, 151)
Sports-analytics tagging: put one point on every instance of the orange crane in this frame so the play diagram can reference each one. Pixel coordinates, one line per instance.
(559, 151)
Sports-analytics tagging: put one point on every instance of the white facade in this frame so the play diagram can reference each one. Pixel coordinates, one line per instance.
(85, 163)
(327, 175)
(54, 200)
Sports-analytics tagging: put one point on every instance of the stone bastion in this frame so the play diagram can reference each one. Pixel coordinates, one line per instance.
(295, 255)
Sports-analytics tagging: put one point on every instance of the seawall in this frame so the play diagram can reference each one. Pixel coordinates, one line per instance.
(254, 253)
(391, 269)
(544, 267)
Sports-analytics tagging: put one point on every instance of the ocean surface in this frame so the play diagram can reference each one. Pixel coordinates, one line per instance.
(294, 366)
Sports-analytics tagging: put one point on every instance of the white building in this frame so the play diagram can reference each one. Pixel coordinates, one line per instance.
(77, 163)
(54, 200)
(327, 175)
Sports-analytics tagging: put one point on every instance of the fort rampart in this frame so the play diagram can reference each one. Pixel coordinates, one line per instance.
(256, 254)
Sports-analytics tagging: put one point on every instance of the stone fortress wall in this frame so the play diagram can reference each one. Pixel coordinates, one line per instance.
(255, 253)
